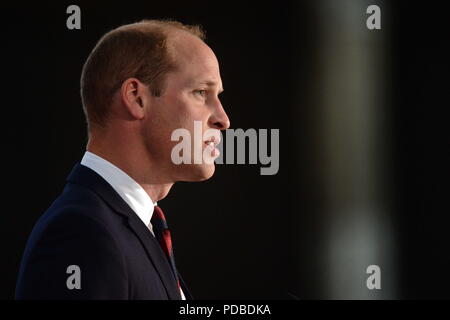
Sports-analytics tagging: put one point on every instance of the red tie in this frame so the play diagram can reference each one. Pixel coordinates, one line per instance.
(162, 234)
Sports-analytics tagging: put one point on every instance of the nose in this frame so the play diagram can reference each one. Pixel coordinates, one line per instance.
(219, 119)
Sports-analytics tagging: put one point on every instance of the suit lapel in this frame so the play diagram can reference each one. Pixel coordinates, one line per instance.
(85, 176)
(157, 256)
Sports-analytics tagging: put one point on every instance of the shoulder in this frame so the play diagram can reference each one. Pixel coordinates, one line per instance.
(77, 206)
(77, 219)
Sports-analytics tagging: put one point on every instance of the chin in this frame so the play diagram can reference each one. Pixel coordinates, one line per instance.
(206, 172)
(199, 172)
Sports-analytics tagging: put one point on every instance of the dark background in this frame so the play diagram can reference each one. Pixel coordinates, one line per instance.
(238, 235)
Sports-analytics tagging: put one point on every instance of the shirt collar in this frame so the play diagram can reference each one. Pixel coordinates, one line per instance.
(128, 189)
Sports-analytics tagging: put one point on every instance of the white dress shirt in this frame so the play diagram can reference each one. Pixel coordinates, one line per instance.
(128, 189)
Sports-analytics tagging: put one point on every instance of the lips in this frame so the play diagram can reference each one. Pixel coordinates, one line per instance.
(213, 142)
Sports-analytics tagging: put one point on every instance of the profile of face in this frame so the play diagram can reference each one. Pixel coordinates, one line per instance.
(191, 93)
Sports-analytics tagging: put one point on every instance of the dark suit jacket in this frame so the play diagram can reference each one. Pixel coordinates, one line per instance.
(89, 225)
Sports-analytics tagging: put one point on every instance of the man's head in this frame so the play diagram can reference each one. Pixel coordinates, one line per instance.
(140, 83)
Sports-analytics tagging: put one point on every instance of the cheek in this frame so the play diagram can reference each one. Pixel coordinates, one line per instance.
(175, 112)
(184, 111)
(167, 114)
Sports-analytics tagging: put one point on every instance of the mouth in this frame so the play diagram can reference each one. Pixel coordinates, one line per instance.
(212, 142)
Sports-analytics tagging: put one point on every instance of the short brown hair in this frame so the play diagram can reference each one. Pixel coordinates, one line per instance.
(136, 50)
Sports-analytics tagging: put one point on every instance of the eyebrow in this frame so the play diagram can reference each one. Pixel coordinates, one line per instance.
(209, 84)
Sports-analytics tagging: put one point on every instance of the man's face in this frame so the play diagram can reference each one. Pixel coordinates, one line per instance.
(190, 94)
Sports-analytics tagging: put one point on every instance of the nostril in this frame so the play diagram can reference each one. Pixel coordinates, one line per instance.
(219, 125)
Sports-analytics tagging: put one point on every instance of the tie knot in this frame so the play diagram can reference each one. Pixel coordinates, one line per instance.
(158, 213)
(158, 220)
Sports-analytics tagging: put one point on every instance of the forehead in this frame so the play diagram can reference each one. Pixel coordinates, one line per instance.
(195, 61)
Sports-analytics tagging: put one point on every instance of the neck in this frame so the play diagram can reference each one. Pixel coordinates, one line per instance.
(134, 163)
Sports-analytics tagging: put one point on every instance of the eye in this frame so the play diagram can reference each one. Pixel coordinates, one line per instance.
(201, 92)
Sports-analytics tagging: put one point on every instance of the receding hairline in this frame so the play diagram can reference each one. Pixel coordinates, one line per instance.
(172, 31)
(167, 27)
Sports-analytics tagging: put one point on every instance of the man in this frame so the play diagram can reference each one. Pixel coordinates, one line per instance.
(105, 237)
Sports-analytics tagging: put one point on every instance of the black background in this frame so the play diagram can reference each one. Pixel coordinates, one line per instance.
(240, 234)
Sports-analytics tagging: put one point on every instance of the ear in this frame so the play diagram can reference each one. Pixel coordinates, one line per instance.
(134, 95)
